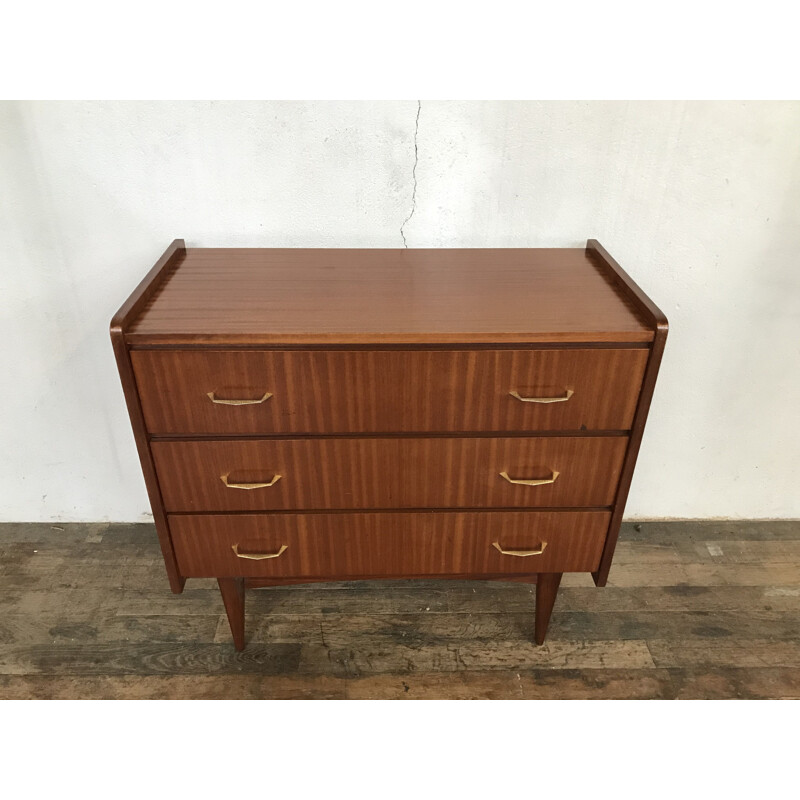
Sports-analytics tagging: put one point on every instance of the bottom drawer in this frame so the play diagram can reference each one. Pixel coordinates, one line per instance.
(399, 544)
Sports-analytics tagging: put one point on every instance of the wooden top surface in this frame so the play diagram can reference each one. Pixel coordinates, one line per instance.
(342, 296)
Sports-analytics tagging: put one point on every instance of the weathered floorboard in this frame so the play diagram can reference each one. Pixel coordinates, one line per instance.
(606, 684)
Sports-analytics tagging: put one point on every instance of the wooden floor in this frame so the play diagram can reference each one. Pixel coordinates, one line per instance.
(692, 610)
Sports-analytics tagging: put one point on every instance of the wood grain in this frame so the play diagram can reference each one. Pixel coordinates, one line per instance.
(388, 473)
(723, 651)
(120, 323)
(171, 687)
(531, 684)
(352, 545)
(472, 622)
(656, 319)
(372, 656)
(387, 391)
(152, 657)
(232, 591)
(147, 288)
(546, 590)
(273, 296)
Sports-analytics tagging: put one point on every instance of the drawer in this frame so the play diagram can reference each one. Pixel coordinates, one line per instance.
(403, 544)
(190, 391)
(383, 473)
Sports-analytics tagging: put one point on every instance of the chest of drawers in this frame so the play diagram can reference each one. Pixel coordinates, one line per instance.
(320, 415)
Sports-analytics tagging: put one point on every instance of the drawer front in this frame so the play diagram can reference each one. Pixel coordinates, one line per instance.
(388, 544)
(318, 474)
(387, 391)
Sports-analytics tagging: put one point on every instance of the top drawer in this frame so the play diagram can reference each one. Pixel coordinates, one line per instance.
(387, 391)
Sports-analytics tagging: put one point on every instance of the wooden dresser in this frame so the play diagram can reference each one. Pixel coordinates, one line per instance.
(320, 415)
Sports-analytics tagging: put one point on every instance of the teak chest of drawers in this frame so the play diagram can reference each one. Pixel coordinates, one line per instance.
(313, 415)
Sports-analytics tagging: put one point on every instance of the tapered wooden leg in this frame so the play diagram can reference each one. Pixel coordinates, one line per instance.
(546, 590)
(232, 590)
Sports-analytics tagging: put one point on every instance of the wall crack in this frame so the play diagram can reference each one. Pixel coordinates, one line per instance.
(414, 177)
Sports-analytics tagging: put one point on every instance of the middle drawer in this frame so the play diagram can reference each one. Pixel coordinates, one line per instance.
(379, 473)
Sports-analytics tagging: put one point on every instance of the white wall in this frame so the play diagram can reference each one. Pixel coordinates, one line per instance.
(699, 201)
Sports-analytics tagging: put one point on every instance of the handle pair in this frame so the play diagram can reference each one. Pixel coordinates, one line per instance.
(214, 399)
(284, 547)
(276, 478)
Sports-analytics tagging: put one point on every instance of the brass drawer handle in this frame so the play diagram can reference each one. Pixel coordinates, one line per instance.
(567, 394)
(532, 482)
(257, 556)
(214, 399)
(520, 553)
(224, 479)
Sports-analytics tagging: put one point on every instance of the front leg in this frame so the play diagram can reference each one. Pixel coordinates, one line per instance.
(232, 590)
(546, 590)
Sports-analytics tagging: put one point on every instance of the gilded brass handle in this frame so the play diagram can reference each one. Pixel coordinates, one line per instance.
(531, 482)
(520, 553)
(567, 394)
(257, 556)
(224, 479)
(214, 399)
